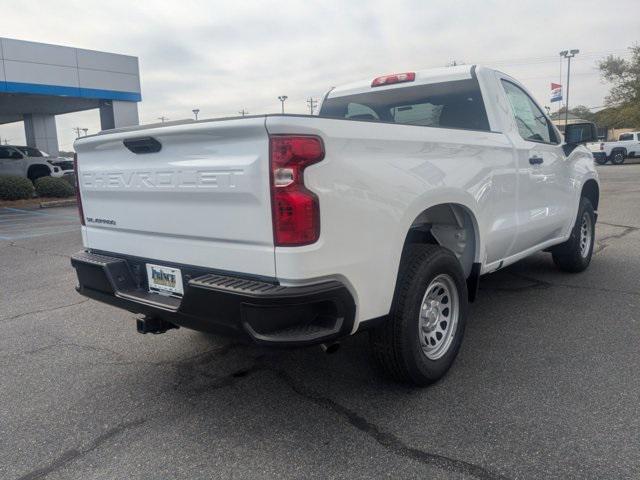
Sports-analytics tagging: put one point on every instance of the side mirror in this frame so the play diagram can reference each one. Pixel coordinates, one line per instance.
(576, 133)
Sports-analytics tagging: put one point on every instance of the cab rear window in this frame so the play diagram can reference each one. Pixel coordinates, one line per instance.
(456, 104)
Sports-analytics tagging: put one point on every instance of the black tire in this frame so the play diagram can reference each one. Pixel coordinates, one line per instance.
(397, 345)
(571, 256)
(38, 172)
(601, 161)
(618, 157)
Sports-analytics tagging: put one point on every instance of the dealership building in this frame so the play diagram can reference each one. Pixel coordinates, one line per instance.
(39, 81)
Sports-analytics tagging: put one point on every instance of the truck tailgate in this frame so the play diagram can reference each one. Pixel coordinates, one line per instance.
(202, 200)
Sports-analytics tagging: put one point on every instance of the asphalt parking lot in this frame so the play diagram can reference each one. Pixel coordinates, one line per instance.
(547, 384)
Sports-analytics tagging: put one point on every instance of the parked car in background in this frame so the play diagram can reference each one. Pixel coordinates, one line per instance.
(32, 163)
(628, 145)
(380, 214)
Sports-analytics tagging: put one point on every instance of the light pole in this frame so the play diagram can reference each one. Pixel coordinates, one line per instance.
(163, 119)
(243, 112)
(568, 54)
(282, 98)
(196, 111)
(85, 130)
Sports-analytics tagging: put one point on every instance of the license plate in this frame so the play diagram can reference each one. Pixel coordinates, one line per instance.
(165, 280)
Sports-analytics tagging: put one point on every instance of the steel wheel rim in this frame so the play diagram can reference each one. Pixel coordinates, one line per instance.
(438, 317)
(618, 157)
(585, 235)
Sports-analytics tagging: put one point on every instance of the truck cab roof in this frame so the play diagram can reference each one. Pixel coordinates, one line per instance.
(421, 77)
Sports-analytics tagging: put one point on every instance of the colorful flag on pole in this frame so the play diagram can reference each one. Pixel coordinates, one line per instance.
(556, 92)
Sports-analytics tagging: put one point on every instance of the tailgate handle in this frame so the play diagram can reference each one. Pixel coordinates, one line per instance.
(142, 145)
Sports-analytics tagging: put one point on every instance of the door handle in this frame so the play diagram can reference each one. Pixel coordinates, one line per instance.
(535, 160)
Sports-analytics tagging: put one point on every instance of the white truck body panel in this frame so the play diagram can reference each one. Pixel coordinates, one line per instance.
(366, 216)
(375, 181)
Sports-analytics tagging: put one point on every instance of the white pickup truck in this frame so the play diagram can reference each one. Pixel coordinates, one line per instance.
(32, 163)
(380, 214)
(627, 146)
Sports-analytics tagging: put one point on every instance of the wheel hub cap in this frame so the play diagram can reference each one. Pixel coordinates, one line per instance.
(438, 317)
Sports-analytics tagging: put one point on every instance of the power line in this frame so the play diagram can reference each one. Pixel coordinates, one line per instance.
(548, 59)
(78, 130)
(538, 77)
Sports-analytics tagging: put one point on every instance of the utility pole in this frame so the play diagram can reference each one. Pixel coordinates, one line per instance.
(312, 104)
(568, 54)
(77, 130)
(243, 112)
(282, 99)
(196, 111)
(163, 119)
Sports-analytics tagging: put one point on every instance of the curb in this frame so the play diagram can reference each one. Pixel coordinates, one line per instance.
(58, 203)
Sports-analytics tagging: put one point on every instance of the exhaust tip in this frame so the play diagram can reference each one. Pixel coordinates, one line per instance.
(330, 348)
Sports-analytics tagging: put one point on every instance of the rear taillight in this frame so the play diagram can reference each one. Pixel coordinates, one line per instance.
(77, 184)
(602, 146)
(295, 209)
(395, 78)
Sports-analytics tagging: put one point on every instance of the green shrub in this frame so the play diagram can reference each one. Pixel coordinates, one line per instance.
(70, 179)
(53, 187)
(15, 188)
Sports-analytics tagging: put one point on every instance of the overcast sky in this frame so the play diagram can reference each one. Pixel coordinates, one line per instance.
(222, 56)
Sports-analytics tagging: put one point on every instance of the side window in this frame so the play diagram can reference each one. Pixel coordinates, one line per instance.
(532, 123)
(625, 137)
(6, 152)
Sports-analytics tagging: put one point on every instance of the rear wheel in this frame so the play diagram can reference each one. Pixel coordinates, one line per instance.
(421, 338)
(601, 160)
(575, 254)
(617, 157)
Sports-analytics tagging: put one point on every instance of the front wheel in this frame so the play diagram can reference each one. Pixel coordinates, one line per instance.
(421, 338)
(38, 172)
(575, 254)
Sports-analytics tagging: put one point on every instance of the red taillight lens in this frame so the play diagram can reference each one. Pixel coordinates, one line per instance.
(295, 209)
(77, 184)
(602, 146)
(395, 78)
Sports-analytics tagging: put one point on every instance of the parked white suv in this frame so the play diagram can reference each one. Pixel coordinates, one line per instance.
(379, 214)
(627, 146)
(32, 163)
